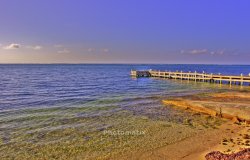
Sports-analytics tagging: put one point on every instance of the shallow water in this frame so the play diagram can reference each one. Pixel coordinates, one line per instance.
(68, 109)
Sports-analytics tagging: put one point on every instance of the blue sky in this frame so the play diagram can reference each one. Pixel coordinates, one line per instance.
(131, 31)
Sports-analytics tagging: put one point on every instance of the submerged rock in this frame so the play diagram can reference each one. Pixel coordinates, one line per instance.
(241, 155)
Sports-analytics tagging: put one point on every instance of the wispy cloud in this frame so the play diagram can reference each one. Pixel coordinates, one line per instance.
(18, 46)
(218, 52)
(37, 47)
(58, 46)
(105, 50)
(198, 51)
(61, 48)
(91, 49)
(203, 51)
(98, 50)
(12, 46)
(64, 51)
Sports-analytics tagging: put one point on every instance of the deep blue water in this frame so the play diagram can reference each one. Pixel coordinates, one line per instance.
(38, 85)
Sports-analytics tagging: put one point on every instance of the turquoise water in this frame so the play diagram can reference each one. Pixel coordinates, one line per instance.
(42, 105)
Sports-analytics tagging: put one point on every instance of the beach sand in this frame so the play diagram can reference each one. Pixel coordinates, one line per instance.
(196, 147)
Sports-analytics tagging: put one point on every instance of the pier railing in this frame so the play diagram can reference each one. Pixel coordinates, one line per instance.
(195, 76)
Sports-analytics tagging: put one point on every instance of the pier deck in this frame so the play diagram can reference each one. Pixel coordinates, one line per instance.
(195, 76)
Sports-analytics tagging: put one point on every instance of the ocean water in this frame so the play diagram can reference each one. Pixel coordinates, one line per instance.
(54, 105)
(47, 85)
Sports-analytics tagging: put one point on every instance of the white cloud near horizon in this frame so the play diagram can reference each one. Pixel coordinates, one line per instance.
(91, 49)
(12, 46)
(203, 52)
(58, 46)
(198, 51)
(106, 50)
(98, 50)
(64, 51)
(37, 47)
(218, 52)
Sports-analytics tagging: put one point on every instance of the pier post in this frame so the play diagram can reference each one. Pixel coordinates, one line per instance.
(195, 75)
(220, 81)
(241, 82)
(211, 78)
(203, 76)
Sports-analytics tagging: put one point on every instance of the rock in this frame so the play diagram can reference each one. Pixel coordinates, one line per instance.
(241, 155)
(235, 120)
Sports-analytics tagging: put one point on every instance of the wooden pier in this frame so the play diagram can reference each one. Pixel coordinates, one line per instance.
(195, 76)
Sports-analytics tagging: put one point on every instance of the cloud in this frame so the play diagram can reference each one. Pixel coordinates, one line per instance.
(12, 46)
(198, 51)
(61, 49)
(106, 50)
(37, 47)
(58, 46)
(218, 52)
(18, 46)
(91, 49)
(64, 51)
(203, 51)
(98, 50)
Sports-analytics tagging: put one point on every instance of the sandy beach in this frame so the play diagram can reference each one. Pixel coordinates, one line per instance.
(196, 147)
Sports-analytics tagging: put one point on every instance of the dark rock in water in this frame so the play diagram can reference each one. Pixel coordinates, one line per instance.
(241, 155)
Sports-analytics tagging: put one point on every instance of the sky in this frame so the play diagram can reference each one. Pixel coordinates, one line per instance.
(130, 31)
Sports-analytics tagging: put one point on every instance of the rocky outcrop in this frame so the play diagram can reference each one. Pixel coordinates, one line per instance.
(213, 111)
(186, 105)
(241, 155)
